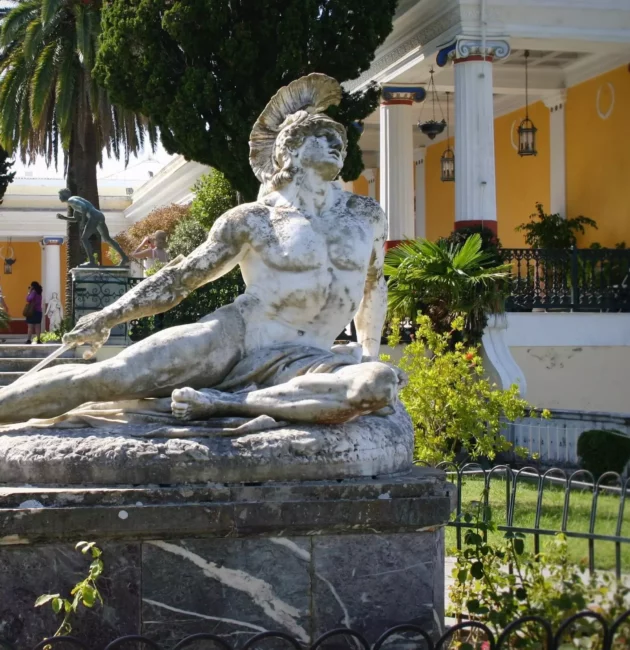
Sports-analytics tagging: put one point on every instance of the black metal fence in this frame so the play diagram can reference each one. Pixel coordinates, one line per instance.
(610, 485)
(609, 635)
(570, 280)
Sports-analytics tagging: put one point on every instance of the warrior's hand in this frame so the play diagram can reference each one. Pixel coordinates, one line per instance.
(90, 330)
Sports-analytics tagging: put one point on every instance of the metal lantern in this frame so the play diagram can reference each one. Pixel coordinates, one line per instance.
(9, 259)
(447, 166)
(447, 161)
(527, 138)
(526, 129)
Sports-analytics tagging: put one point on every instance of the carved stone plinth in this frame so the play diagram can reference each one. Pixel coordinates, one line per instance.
(97, 287)
(302, 558)
(170, 452)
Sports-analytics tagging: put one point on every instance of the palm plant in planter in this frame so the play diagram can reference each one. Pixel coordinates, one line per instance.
(445, 280)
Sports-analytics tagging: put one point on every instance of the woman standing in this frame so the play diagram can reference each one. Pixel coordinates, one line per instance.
(33, 311)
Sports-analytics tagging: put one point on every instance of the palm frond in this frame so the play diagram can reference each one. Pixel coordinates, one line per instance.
(50, 9)
(43, 83)
(67, 68)
(16, 20)
(33, 39)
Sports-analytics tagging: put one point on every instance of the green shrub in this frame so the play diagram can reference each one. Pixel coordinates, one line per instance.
(552, 231)
(603, 450)
(546, 585)
(213, 197)
(452, 405)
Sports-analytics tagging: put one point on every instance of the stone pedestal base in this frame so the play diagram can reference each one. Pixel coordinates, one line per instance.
(302, 558)
(97, 287)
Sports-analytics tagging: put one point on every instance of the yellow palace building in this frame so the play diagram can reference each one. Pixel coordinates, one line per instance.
(574, 58)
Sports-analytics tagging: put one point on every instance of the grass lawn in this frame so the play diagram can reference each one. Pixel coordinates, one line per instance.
(552, 508)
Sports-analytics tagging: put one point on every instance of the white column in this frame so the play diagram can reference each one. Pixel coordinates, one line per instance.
(51, 275)
(558, 184)
(370, 176)
(421, 226)
(396, 169)
(475, 188)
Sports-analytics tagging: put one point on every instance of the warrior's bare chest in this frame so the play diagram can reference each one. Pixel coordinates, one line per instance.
(291, 241)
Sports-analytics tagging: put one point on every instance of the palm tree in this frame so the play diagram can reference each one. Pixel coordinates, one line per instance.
(446, 280)
(48, 98)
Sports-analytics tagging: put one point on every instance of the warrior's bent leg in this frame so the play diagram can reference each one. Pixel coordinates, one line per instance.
(322, 398)
(198, 355)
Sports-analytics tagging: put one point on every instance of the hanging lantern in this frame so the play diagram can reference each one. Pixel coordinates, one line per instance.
(9, 260)
(447, 165)
(447, 161)
(432, 127)
(526, 129)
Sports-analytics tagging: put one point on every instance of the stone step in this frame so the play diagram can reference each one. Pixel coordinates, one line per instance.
(33, 351)
(7, 378)
(23, 365)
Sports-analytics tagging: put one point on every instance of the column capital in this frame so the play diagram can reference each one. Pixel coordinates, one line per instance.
(402, 94)
(556, 101)
(473, 48)
(52, 241)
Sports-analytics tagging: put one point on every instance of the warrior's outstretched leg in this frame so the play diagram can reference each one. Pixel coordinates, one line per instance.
(200, 354)
(330, 398)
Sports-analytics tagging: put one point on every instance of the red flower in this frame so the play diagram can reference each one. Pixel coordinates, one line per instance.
(470, 356)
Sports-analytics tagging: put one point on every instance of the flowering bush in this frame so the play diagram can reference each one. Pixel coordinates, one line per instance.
(451, 403)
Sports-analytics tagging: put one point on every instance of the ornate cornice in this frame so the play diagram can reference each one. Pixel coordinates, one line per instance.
(420, 37)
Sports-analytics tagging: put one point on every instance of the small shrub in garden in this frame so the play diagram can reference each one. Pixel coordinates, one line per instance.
(602, 451)
(451, 403)
(498, 583)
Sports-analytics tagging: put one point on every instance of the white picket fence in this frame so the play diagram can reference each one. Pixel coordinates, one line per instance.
(555, 440)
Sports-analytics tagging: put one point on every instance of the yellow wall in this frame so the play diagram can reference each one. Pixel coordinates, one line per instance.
(440, 197)
(27, 268)
(360, 186)
(598, 156)
(521, 181)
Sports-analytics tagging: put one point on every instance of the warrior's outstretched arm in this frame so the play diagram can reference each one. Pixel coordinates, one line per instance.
(219, 254)
(373, 308)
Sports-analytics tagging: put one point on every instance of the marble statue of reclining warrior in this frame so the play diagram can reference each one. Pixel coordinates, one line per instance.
(311, 256)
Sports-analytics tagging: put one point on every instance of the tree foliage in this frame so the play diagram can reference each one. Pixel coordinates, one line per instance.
(6, 175)
(214, 195)
(203, 70)
(49, 98)
(450, 402)
(165, 218)
(445, 281)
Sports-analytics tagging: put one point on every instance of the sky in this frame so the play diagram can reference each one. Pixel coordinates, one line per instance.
(112, 168)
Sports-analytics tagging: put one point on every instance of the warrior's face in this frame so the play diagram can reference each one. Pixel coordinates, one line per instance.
(64, 194)
(323, 152)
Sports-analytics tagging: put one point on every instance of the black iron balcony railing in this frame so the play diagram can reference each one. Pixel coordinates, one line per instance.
(569, 280)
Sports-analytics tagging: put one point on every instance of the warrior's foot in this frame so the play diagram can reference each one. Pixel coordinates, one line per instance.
(191, 404)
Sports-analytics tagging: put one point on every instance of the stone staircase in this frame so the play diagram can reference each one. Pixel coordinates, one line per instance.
(15, 360)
